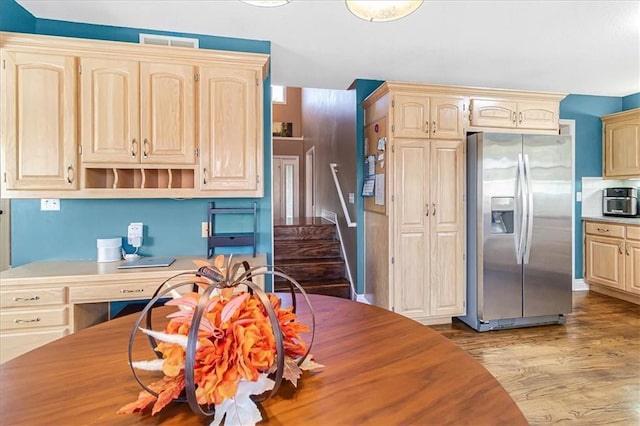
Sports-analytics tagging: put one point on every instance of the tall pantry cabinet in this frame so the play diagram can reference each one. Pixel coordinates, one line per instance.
(415, 246)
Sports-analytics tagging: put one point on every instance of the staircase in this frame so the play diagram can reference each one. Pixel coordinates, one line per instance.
(308, 251)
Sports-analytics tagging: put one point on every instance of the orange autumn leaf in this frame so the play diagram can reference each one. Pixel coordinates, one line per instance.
(170, 391)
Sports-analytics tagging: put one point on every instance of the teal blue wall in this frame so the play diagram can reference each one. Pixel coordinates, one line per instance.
(631, 101)
(172, 227)
(363, 89)
(15, 18)
(586, 111)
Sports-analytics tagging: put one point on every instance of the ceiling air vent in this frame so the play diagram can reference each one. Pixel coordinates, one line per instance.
(160, 40)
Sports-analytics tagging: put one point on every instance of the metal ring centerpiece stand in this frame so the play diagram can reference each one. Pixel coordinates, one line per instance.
(218, 279)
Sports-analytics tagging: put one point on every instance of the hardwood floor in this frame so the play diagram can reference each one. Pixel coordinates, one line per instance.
(584, 372)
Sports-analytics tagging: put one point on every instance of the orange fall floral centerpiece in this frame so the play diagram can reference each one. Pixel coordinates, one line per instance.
(222, 345)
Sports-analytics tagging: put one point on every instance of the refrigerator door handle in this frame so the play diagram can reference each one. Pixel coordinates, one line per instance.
(529, 238)
(521, 198)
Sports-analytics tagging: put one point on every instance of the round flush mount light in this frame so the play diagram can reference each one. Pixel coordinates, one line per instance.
(382, 11)
(267, 3)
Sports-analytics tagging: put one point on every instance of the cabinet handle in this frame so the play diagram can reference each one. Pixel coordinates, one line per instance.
(620, 246)
(29, 321)
(514, 117)
(204, 176)
(520, 117)
(26, 299)
(145, 152)
(434, 126)
(134, 148)
(70, 174)
(603, 230)
(628, 253)
(427, 214)
(434, 209)
(139, 290)
(426, 123)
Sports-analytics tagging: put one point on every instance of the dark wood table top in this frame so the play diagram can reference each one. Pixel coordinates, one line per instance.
(381, 369)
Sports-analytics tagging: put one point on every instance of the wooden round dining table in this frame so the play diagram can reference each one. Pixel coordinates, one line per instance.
(380, 369)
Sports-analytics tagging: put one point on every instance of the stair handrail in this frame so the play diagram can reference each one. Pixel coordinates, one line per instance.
(334, 171)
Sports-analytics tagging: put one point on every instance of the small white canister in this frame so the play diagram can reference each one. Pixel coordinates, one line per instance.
(109, 249)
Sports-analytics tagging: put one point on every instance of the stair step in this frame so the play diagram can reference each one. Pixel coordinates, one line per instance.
(312, 269)
(337, 288)
(306, 249)
(305, 232)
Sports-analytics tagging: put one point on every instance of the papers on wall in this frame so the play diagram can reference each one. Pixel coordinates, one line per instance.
(367, 188)
(371, 165)
(379, 190)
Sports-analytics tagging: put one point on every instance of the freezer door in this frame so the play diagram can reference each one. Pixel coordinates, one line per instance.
(547, 257)
(500, 223)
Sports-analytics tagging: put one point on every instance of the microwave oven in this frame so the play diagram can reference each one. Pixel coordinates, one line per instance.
(620, 202)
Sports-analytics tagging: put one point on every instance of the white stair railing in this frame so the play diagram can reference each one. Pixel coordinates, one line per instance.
(334, 171)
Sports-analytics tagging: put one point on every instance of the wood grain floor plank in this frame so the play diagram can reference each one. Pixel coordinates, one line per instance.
(584, 372)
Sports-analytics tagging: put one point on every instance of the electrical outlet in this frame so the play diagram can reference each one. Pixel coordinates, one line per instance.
(352, 198)
(50, 204)
(205, 230)
(134, 234)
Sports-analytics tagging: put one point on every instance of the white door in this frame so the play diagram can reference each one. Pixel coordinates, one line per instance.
(5, 234)
(285, 187)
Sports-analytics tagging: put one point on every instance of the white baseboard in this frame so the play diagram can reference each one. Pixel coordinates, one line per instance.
(362, 299)
(580, 285)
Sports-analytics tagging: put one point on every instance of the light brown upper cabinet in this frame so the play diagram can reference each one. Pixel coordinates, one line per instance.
(131, 114)
(231, 138)
(514, 114)
(39, 147)
(621, 144)
(416, 116)
(137, 112)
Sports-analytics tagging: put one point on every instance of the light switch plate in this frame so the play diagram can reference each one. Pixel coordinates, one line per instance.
(50, 204)
(578, 196)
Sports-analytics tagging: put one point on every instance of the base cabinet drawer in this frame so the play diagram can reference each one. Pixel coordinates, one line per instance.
(18, 319)
(125, 291)
(604, 229)
(13, 344)
(32, 297)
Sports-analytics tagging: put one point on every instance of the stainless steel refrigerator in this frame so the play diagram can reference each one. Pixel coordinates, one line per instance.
(520, 192)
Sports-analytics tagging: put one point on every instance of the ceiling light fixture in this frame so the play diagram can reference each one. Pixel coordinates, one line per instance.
(267, 3)
(382, 11)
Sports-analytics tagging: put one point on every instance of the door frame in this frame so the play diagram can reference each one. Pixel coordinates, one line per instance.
(295, 161)
(310, 182)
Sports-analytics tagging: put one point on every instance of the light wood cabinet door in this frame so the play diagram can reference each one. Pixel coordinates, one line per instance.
(632, 266)
(447, 118)
(39, 121)
(622, 149)
(411, 228)
(167, 121)
(411, 116)
(493, 113)
(231, 131)
(538, 115)
(109, 110)
(448, 276)
(604, 261)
